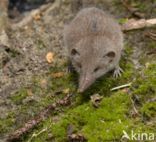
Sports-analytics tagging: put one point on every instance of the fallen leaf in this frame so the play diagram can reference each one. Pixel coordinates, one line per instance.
(29, 92)
(50, 57)
(58, 74)
(147, 64)
(37, 16)
(43, 83)
(95, 99)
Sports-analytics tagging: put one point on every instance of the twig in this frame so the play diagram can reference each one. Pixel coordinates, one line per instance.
(40, 117)
(122, 86)
(30, 124)
(138, 24)
(134, 108)
(37, 134)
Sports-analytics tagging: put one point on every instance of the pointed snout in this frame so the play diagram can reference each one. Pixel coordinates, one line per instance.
(84, 82)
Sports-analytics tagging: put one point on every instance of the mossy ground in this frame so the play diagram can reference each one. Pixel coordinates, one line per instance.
(105, 123)
(128, 109)
(115, 113)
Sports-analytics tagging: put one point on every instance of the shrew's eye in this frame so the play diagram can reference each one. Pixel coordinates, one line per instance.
(110, 54)
(96, 69)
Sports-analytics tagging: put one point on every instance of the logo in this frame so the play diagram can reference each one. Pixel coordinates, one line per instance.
(138, 136)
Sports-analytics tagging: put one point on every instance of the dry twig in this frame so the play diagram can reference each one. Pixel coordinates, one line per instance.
(135, 111)
(40, 117)
(138, 24)
(37, 134)
(120, 87)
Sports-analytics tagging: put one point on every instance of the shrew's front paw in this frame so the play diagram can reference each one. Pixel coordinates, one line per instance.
(117, 72)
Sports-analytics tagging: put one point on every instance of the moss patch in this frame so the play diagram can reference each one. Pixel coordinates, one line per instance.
(19, 96)
(112, 117)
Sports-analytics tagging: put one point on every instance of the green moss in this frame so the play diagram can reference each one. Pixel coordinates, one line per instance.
(19, 96)
(122, 20)
(149, 110)
(145, 90)
(95, 124)
(151, 45)
(148, 52)
(140, 5)
(107, 122)
(60, 131)
(40, 44)
(7, 123)
(145, 84)
(103, 124)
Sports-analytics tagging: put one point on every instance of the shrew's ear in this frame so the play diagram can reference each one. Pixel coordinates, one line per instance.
(74, 52)
(111, 54)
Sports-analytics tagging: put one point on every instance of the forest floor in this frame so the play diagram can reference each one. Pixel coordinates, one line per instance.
(30, 82)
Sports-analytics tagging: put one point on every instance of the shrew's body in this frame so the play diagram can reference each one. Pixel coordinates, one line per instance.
(94, 41)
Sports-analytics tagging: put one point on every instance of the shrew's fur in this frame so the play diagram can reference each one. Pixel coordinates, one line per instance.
(94, 41)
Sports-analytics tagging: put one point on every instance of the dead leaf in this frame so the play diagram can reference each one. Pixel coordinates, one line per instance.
(43, 83)
(50, 57)
(37, 17)
(58, 74)
(95, 99)
(29, 92)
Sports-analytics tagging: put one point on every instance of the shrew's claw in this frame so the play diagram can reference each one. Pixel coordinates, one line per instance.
(117, 72)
